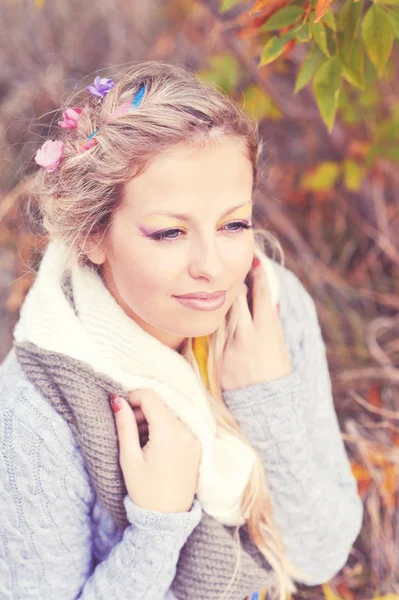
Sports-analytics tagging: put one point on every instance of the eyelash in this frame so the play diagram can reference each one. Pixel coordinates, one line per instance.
(162, 235)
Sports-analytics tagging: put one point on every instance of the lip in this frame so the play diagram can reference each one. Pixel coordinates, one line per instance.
(203, 295)
(203, 304)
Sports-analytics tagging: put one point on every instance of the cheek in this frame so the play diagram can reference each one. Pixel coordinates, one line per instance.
(240, 259)
(143, 280)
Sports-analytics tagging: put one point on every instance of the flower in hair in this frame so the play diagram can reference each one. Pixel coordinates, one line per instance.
(50, 154)
(70, 118)
(101, 86)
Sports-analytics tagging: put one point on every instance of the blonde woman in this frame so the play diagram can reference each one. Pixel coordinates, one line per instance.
(168, 428)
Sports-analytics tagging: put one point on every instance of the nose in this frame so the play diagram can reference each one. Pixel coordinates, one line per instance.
(206, 260)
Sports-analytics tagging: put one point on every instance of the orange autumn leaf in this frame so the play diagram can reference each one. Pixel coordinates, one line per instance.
(289, 47)
(362, 477)
(322, 7)
(379, 459)
(360, 473)
(389, 486)
(374, 396)
(260, 5)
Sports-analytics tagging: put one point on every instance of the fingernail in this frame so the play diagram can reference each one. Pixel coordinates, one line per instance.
(255, 262)
(116, 403)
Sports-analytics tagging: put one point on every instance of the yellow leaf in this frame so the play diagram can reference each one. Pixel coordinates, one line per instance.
(259, 6)
(353, 175)
(322, 178)
(322, 7)
(260, 105)
(226, 5)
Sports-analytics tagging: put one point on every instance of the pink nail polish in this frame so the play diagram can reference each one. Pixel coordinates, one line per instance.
(255, 262)
(116, 404)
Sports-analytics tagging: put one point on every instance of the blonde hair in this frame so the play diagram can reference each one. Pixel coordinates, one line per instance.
(78, 199)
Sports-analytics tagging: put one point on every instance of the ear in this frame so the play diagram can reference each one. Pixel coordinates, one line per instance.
(95, 250)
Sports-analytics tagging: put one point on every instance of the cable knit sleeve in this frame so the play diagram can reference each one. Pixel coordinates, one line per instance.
(46, 537)
(293, 424)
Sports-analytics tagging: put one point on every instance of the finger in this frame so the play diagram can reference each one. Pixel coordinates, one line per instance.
(126, 427)
(153, 408)
(261, 300)
(243, 315)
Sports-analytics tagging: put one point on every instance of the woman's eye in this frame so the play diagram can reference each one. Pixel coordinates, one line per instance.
(170, 234)
(162, 235)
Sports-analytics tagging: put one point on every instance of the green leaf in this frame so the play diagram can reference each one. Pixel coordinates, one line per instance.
(282, 18)
(347, 111)
(393, 16)
(370, 72)
(274, 47)
(320, 35)
(303, 34)
(353, 64)
(226, 5)
(309, 67)
(260, 105)
(326, 88)
(322, 178)
(329, 20)
(348, 20)
(393, 2)
(377, 36)
(353, 175)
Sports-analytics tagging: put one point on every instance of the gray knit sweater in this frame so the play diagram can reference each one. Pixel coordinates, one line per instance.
(58, 541)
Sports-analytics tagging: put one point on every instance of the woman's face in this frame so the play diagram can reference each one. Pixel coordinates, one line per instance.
(206, 251)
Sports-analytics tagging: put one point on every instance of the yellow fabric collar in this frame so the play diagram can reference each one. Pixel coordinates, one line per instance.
(200, 350)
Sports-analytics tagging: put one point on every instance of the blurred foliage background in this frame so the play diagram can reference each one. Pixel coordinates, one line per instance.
(322, 79)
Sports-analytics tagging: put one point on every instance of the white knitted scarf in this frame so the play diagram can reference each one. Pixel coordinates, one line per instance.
(101, 335)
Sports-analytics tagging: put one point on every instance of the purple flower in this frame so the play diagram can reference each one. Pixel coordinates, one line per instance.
(101, 87)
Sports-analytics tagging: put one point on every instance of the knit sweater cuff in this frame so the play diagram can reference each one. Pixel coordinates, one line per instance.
(266, 391)
(167, 522)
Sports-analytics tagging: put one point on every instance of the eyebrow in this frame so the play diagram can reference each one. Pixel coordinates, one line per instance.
(183, 217)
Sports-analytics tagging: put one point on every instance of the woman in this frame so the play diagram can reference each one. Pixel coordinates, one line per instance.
(154, 445)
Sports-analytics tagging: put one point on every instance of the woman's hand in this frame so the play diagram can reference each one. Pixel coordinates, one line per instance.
(163, 475)
(255, 349)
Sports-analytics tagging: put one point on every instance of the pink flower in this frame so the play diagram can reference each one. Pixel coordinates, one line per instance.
(50, 154)
(70, 118)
